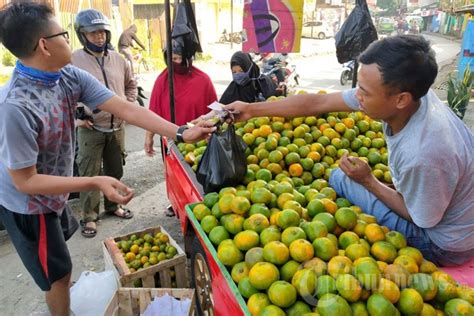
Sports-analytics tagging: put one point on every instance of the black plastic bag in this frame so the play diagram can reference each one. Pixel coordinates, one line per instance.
(355, 35)
(224, 162)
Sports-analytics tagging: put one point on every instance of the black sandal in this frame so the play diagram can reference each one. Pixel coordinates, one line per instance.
(88, 232)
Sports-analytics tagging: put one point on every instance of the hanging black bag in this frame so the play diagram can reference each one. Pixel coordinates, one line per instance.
(224, 162)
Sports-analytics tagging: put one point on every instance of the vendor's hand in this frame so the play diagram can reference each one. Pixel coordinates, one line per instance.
(84, 123)
(356, 169)
(201, 130)
(114, 190)
(149, 150)
(240, 110)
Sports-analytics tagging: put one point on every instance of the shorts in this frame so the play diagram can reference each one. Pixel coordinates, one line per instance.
(41, 244)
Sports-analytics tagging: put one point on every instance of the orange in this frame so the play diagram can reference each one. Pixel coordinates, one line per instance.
(276, 252)
(263, 274)
(314, 229)
(324, 248)
(327, 219)
(260, 195)
(379, 305)
(410, 302)
(200, 210)
(294, 205)
(256, 303)
(272, 310)
(246, 240)
(407, 262)
(330, 193)
(218, 234)
(283, 198)
(299, 308)
(465, 292)
(325, 284)
(256, 222)
(225, 202)
(446, 291)
(295, 170)
(288, 270)
(317, 265)
(240, 205)
(339, 265)
(227, 190)
(388, 289)
(348, 287)
(331, 206)
(367, 272)
(332, 304)
(457, 306)
(356, 251)
(208, 223)
(412, 252)
(369, 219)
(359, 228)
(346, 218)
(425, 285)
(304, 282)
(271, 233)
(239, 271)
(373, 232)
(347, 238)
(288, 218)
(245, 288)
(229, 255)
(291, 234)
(428, 310)
(233, 223)
(359, 308)
(441, 275)
(384, 251)
(253, 256)
(396, 239)
(134, 249)
(428, 267)
(301, 250)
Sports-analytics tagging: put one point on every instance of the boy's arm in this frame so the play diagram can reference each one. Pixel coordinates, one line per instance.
(28, 181)
(144, 118)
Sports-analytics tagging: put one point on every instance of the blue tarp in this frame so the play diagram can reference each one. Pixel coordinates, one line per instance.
(467, 50)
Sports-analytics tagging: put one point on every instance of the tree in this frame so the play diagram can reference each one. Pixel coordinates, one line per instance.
(389, 5)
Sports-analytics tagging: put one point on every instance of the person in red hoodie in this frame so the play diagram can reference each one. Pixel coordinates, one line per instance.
(193, 92)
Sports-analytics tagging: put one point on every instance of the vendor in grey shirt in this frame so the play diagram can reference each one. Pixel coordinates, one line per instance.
(430, 148)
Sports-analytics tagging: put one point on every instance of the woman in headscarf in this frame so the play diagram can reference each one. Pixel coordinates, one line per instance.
(248, 84)
(193, 92)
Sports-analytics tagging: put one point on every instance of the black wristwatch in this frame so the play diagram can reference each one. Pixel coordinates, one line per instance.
(180, 132)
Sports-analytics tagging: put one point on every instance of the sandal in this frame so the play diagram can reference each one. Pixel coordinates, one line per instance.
(127, 214)
(88, 232)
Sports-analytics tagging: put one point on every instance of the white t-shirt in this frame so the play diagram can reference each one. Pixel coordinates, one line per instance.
(432, 167)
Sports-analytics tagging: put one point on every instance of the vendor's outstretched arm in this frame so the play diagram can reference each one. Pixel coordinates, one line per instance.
(292, 106)
(146, 119)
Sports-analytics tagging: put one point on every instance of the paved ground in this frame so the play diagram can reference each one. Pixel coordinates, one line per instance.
(18, 293)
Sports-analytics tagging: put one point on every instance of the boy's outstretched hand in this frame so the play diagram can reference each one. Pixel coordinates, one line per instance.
(201, 130)
(114, 190)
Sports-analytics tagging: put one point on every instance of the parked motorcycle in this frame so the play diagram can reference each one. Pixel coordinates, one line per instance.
(278, 69)
(235, 37)
(347, 72)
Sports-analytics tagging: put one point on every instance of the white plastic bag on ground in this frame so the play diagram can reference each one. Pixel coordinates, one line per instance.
(169, 306)
(91, 293)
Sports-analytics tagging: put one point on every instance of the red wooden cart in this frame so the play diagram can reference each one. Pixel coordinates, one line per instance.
(216, 293)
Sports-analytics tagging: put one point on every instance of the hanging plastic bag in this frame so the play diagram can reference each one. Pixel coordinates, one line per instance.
(355, 35)
(92, 292)
(224, 162)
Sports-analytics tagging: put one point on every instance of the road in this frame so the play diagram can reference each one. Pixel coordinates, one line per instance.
(318, 68)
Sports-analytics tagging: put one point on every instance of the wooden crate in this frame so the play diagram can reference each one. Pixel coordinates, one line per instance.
(114, 261)
(134, 301)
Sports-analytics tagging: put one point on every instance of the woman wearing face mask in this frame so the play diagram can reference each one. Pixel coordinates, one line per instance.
(248, 84)
(193, 92)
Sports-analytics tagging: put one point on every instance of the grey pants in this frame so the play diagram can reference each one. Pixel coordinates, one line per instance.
(99, 153)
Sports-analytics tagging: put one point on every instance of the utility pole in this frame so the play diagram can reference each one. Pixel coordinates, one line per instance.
(231, 23)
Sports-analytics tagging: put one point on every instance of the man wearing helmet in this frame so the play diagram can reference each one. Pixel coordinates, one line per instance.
(100, 134)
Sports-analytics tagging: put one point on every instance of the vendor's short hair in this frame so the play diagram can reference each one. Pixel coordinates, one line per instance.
(22, 25)
(407, 63)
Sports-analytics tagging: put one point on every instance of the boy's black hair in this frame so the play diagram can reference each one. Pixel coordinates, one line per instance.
(22, 25)
(407, 63)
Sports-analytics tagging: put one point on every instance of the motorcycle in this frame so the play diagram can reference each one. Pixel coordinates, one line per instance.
(235, 37)
(347, 72)
(279, 70)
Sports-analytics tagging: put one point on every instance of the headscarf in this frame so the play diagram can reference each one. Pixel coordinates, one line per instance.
(258, 84)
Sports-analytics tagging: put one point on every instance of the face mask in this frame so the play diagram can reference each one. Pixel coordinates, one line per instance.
(95, 48)
(242, 78)
(180, 69)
